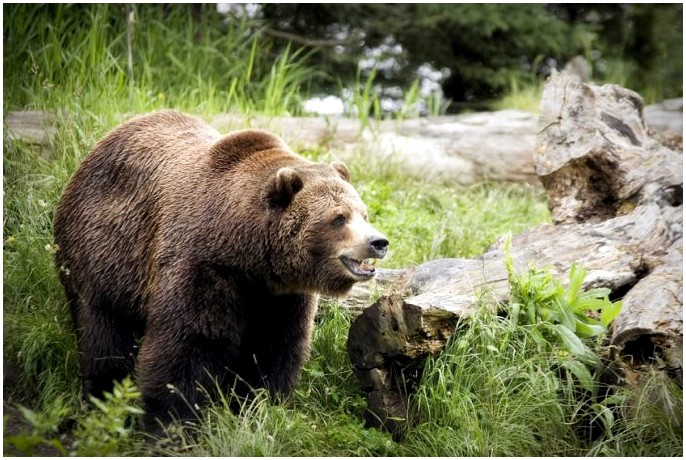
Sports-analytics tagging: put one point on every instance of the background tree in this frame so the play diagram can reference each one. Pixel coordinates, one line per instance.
(486, 46)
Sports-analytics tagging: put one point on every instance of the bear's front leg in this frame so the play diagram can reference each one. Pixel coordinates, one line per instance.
(192, 343)
(168, 373)
(280, 345)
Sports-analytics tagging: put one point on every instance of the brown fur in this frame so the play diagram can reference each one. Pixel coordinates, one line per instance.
(208, 251)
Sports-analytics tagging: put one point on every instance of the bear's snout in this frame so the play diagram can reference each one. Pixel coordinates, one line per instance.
(379, 245)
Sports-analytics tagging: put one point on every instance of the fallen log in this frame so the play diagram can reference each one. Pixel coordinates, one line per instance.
(615, 194)
(464, 149)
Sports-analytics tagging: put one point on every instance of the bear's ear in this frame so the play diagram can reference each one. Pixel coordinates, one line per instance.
(342, 170)
(283, 187)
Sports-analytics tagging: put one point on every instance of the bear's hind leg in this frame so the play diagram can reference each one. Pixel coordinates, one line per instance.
(107, 348)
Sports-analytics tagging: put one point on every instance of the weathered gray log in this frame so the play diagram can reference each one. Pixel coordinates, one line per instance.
(594, 156)
(616, 197)
(460, 149)
(468, 148)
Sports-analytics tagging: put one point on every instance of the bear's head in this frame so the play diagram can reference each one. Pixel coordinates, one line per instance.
(325, 243)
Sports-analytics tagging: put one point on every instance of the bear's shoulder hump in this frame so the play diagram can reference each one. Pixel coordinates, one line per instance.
(239, 145)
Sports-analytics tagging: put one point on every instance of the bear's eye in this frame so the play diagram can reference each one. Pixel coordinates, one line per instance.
(339, 221)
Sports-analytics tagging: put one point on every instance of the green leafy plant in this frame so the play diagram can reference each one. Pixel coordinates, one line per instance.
(364, 99)
(559, 316)
(106, 429)
(44, 429)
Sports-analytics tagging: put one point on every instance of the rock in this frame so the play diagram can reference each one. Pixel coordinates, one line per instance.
(578, 68)
(616, 195)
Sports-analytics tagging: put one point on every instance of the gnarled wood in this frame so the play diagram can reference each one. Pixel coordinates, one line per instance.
(616, 197)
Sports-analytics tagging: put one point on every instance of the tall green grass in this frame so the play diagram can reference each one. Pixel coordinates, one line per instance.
(425, 219)
(482, 398)
(495, 391)
(75, 56)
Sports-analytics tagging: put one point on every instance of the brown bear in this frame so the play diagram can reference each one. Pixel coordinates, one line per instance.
(209, 253)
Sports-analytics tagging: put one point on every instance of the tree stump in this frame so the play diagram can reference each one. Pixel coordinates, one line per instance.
(615, 194)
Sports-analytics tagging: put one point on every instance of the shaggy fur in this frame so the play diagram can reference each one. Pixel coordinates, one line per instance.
(207, 252)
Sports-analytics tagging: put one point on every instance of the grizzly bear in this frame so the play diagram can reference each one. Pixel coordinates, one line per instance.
(208, 253)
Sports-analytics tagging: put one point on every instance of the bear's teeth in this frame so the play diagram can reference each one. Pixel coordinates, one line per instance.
(368, 264)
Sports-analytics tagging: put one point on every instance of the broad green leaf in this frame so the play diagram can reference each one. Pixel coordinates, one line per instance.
(531, 311)
(586, 329)
(553, 290)
(547, 314)
(515, 308)
(598, 293)
(605, 416)
(574, 344)
(590, 304)
(565, 315)
(576, 280)
(610, 312)
(99, 404)
(581, 373)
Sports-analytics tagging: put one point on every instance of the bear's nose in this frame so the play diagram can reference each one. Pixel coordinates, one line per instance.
(380, 245)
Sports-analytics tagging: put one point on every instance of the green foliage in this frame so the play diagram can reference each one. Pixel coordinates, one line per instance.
(44, 429)
(483, 45)
(424, 220)
(107, 429)
(648, 422)
(493, 392)
(521, 94)
(562, 317)
(365, 100)
(497, 389)
(59, 56)
(639, 46)
(103, 431)
(35, 314)
(487, 46)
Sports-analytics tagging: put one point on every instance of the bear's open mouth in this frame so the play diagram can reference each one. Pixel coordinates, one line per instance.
(363, 268)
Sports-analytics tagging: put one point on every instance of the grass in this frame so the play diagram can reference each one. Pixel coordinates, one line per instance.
(521, 95)
(493, 392)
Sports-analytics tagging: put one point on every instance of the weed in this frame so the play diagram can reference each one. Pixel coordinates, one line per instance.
(494, 392)
(563, 317)
(103, 430)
